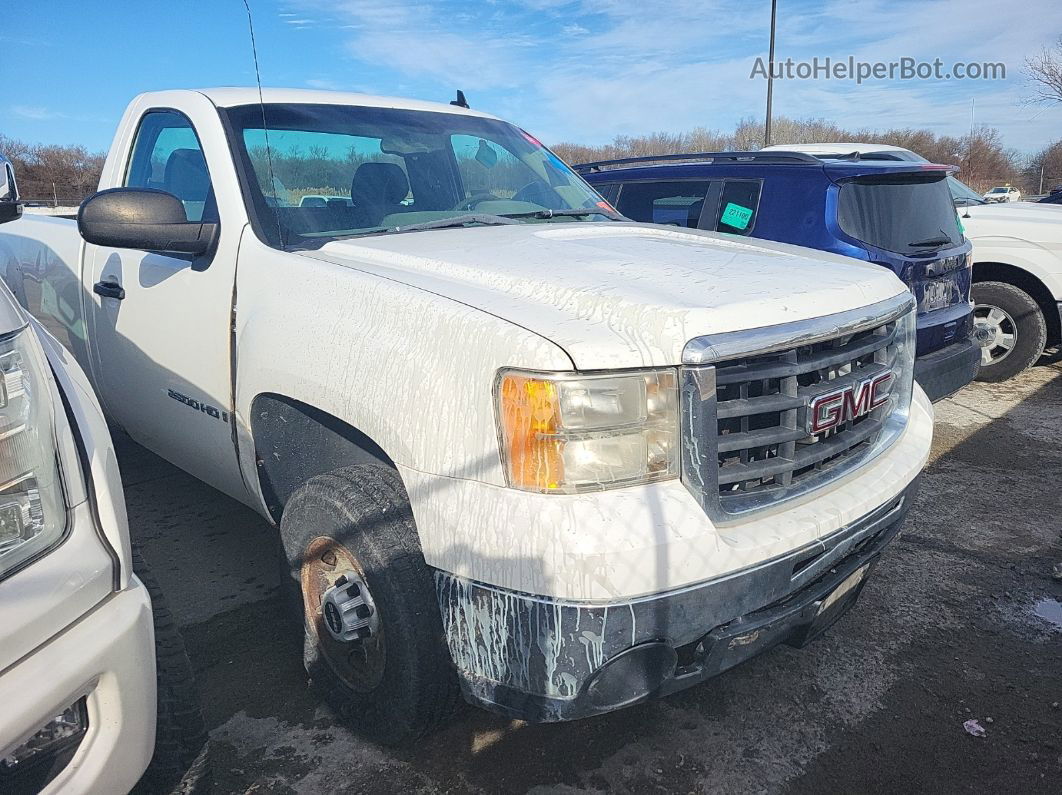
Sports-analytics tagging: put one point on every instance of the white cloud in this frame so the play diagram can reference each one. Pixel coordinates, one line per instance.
(36, 112)
(591, 69)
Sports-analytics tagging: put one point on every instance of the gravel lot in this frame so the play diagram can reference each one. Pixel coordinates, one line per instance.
(955, 626)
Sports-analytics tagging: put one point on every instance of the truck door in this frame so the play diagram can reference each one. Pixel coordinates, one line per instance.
(161, 323)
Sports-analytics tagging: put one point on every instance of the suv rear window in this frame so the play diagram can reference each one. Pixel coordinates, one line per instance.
(904, 213)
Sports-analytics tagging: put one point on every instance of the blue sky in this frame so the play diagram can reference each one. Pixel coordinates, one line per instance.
(585, 70)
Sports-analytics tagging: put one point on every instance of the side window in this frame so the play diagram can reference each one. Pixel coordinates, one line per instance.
(738, 203)
(167, 156)
(675, 203)
(609, 191)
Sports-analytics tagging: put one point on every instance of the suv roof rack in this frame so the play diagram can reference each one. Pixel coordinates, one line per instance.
(778, 157)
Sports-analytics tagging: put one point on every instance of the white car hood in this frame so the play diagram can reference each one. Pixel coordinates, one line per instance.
(1033, 222)
(616, 295)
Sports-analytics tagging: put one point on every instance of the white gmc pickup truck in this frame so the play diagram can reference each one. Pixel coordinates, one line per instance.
(517, 447)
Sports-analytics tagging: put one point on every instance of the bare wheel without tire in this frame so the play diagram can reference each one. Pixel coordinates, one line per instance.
(373, 641)
(1010, 328)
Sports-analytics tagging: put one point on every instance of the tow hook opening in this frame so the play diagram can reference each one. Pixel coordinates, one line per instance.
(632, 675)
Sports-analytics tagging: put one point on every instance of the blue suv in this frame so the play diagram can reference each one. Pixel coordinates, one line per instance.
(896, 214)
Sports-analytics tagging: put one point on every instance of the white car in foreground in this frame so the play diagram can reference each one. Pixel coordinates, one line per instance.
(1017, 270)
(79, 632)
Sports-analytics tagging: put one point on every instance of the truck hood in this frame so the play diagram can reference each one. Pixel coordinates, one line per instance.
(1036, 223)
(616, 295)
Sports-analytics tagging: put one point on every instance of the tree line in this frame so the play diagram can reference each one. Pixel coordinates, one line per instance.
(67, 174)
(55, 174)
(983, 159)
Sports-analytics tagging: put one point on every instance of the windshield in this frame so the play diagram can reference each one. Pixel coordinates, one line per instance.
(962, 194)
(999, 190)
(904, 213)
(338, 171)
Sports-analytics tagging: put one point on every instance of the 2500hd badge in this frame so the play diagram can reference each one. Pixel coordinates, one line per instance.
(206, 408)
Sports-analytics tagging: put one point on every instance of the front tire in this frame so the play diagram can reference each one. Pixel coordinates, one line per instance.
(180, 762)
(393, 679)
(1014, 327)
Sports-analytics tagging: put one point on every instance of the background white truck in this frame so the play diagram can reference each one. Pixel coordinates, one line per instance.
(517, 447)
(94, 680)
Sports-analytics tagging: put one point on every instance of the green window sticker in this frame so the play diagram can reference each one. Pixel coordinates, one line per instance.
(962, 229)
(736, 216)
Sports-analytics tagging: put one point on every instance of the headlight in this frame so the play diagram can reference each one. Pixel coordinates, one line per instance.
(903, 364)
(32, 509)
(568, 433)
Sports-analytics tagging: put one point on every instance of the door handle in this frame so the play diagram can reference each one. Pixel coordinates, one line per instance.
(109, 290)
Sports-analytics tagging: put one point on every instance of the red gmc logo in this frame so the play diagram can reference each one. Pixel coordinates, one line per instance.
(835, 408)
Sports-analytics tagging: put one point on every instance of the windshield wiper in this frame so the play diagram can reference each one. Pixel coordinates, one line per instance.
(438, 223)
(547, 213)
(457, 220)
(940, 240)
(487, 219)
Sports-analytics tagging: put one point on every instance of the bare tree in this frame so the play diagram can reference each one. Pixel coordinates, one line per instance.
(982, 158)
(1044, 169)
(1044, 74)
(62, 173)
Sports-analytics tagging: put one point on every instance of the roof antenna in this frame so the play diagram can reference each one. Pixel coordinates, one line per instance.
(460, 101)
(265, 127)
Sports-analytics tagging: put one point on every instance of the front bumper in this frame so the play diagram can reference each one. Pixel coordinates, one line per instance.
(107, 657)
(944, 372)
(541, 659)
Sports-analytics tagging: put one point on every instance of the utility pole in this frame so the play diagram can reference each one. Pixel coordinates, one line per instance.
(1041, 178)
(770, 75)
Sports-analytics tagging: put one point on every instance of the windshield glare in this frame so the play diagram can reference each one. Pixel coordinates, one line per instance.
(335, 171)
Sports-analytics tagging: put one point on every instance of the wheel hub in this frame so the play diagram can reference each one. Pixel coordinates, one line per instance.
(985, 334)
(995, 332)
(348, 609)
(341, 614)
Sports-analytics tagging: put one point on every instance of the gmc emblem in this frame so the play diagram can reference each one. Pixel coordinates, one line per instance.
(831, 409)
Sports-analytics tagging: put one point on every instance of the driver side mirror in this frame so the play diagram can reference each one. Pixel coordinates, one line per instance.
(145, 219)
(10, 206)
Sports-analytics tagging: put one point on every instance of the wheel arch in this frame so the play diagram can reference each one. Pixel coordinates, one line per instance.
(294, 441)
(1022, 279)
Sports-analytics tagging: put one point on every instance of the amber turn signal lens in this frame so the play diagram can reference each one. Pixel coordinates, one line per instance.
(530, 418)
(566, 433)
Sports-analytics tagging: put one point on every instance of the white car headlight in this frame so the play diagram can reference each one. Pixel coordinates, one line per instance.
(568, 433)
(32, 508)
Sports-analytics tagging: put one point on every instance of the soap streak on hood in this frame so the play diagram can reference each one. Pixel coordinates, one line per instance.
(616, 295)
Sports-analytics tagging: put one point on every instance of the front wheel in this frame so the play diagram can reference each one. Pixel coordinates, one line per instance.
(1010, 328)
(180, 762)
(373, 634)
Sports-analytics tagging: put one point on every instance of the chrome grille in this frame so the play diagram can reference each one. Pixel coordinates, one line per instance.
(746, 443)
